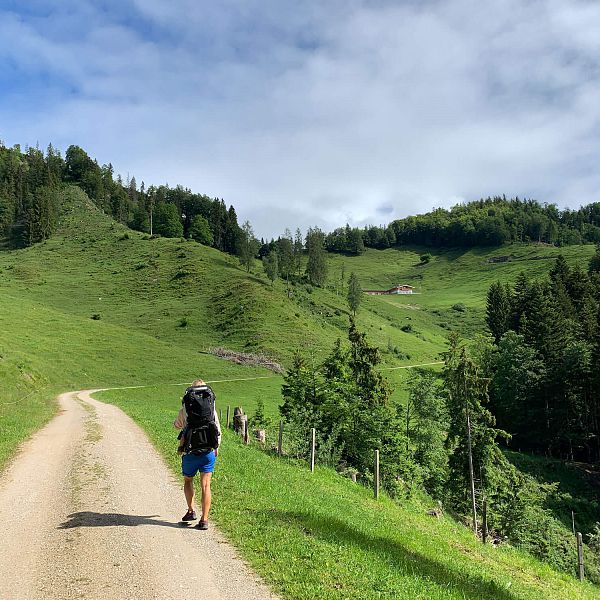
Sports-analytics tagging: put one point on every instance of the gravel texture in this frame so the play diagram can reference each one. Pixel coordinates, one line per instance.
(88, 509)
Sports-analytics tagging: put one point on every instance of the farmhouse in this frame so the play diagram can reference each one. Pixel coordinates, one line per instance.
(397, 289)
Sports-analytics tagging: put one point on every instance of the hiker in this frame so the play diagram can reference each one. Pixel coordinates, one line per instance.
(199, 445)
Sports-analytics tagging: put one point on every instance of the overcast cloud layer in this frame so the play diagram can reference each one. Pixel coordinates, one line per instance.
(315, 113)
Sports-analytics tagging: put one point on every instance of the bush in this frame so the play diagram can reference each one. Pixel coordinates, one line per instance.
(406, 328)
(425, 258)
(183, 322)
(459, 307)
(96, 317)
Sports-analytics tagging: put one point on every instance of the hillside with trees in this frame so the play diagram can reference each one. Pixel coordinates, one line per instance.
(486, 222)
(30, 183)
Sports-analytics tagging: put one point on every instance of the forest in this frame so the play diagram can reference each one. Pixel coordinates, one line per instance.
(30, 181)
(486, 222)
(545, 376)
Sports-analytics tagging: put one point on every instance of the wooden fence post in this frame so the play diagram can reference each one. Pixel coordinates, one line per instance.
(580, 556)
(376, 478)
(228, 407)
(280, 440)
(484, 527)
(313, 435)
(246, 436)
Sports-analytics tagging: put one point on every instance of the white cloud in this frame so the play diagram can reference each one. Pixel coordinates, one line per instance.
(333, 112)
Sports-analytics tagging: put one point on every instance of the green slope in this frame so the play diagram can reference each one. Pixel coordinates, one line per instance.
(98, 305)
(321, 536)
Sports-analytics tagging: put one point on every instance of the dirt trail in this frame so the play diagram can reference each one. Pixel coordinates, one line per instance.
(89, 510)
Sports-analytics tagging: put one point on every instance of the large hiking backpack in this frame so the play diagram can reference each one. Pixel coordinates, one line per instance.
(202, 434)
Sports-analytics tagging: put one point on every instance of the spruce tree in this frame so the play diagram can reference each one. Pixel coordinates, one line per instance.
(498, 309)
(476, 463)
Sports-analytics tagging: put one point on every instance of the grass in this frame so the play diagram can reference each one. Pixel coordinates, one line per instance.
(321, 536)
(92, 307)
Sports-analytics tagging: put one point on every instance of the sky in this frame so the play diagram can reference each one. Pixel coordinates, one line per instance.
(304, 113)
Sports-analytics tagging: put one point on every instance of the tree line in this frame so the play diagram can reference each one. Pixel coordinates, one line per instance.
(545, 364)
(30, 183)
(487, 222)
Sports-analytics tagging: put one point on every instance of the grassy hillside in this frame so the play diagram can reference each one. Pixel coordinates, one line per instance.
(98, 305)
(321, 536)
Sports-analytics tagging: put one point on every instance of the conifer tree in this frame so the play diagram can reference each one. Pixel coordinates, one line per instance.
(475, 458)
(498, 310)
(298, 248)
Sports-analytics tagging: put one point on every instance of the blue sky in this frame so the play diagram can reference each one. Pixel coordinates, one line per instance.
(315, 113)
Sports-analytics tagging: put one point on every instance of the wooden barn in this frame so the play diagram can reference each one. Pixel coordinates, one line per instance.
(397, 289)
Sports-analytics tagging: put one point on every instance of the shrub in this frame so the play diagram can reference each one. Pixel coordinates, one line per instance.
(96, 317)
(459, 307)
(406, 328)
(183, 322)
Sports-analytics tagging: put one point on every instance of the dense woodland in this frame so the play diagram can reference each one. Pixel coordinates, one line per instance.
(546, 362)
(486, 222)
(30, 182)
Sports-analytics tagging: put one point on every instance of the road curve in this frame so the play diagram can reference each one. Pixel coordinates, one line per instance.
(88, 509)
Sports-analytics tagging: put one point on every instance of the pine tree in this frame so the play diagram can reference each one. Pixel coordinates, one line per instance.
(476, 462)
(298, 249)
(594, 264)
(498, 309)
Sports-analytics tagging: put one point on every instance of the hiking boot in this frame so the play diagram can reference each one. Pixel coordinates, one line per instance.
(190, 515)
(202, 525)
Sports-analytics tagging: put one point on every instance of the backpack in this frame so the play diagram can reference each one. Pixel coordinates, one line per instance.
(202, 434)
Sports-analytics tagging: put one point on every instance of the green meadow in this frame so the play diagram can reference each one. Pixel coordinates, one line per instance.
(321, 536)
(100, 306)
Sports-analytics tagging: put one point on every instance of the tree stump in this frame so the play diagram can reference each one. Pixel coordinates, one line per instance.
(239, 420)
(260, 435)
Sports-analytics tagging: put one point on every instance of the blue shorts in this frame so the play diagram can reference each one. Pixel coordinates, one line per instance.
(197, 463)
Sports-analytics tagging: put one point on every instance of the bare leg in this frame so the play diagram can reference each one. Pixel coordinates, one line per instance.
(206, 494)
(188, 490)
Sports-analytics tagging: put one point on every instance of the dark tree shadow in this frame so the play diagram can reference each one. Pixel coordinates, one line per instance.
(94, 519)
(332, 530)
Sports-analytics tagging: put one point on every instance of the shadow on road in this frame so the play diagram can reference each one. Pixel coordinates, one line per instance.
(94, 519)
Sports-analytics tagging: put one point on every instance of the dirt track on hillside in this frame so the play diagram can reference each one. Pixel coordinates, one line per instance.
(89, 510)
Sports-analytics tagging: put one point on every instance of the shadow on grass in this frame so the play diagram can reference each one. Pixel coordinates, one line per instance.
(94, 519)
(401, 558)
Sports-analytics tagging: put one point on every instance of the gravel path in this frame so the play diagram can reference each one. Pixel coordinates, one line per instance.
(89, 510)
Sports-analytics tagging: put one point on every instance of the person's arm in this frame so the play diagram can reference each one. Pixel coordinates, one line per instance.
(219, 430)
(181, 420)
